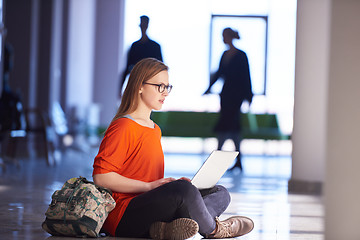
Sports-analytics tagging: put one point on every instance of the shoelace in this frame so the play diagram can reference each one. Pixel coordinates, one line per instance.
(224, 229)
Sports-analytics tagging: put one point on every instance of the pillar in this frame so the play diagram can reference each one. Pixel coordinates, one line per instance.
(342, 196)
(311, 79)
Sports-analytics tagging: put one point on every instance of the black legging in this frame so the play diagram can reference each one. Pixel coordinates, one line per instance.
(170, 201)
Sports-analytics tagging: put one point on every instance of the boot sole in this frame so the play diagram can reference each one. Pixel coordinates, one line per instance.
(179, 229)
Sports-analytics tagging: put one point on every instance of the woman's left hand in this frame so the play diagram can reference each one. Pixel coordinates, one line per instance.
(185, 178)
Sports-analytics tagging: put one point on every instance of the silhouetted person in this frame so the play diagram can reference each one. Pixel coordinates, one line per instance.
(143, 48)
(234, 70)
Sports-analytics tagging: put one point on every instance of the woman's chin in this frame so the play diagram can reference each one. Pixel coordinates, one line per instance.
(157, 108)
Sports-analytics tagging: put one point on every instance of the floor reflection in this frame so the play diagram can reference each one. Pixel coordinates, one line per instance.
(260, 192)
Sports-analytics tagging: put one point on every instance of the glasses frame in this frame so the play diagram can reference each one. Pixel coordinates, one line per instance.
(161, 85)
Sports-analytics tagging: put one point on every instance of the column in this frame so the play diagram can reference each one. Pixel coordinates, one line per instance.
(342, 195)
(108, 48)
(311, 79)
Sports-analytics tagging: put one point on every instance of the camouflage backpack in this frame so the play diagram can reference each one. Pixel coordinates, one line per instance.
(78, 209)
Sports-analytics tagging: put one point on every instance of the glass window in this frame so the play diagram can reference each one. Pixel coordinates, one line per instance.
(189, 33)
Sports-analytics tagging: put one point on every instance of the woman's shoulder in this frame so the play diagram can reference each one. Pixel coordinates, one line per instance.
(120, 124)
(129, 123)
(121, 121)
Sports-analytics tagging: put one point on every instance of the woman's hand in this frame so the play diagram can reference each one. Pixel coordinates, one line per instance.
(160, 182)
(185, 178)
(118, 183)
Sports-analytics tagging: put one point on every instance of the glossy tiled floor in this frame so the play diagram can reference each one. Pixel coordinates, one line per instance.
(260, 192)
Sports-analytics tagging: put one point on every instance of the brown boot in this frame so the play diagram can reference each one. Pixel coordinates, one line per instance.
(179, 229)
(232, 227)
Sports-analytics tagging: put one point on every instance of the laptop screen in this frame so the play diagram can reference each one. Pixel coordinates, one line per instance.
(213, 169)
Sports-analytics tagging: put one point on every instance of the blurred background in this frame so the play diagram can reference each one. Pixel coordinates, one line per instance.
(62, 60)
(72, 52)
(69, 55)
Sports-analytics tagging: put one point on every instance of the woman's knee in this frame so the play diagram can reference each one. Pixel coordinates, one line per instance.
(223, 193)
(184, 189)
(217, 192)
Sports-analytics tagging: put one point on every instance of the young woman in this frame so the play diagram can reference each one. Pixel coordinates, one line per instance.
(130, 162)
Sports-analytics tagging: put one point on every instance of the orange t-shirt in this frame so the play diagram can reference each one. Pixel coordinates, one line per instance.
(133, 151)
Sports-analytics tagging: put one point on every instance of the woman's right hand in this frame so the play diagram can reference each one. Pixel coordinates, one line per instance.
(160, 182)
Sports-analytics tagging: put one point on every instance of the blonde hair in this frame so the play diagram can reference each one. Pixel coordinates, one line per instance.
(142, 72)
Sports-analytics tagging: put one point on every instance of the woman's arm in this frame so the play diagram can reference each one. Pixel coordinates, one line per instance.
(118, 183)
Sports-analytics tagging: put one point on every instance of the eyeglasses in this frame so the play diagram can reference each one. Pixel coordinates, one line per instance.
(161, 87)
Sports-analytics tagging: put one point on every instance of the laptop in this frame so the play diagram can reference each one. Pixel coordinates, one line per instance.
(213, 169)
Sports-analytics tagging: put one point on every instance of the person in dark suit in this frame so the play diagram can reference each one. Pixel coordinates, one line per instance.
(234, 70)
(143, 48)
